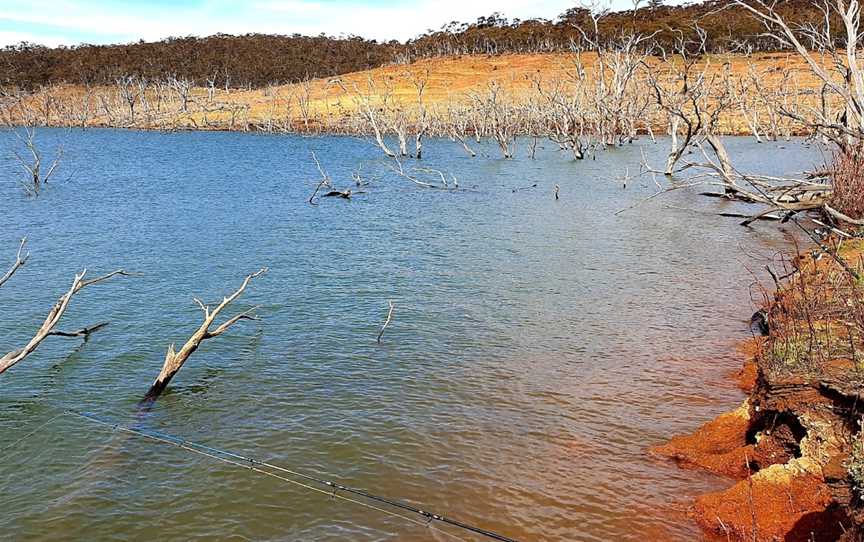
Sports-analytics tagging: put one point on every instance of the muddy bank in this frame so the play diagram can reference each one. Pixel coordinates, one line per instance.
(793, 448)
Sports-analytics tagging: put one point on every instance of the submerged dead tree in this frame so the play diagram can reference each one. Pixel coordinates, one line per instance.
(48, 327)
(35, 178)
(174, 360)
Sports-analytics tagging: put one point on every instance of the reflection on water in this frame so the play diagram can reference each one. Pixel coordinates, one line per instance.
(537, 346)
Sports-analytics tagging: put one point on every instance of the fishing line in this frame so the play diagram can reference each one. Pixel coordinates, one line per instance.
(31, 433)
(333, 489)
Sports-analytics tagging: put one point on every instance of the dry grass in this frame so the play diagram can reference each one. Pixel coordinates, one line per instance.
(847, 178)
(816, 319)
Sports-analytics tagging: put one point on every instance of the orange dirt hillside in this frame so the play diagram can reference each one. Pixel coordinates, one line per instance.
(449, 81)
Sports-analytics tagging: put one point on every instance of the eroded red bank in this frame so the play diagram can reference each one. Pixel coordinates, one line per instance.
(786, 447)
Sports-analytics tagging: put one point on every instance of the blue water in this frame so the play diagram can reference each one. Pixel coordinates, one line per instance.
(537, 346)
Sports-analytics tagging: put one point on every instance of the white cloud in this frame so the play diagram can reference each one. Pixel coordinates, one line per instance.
(12, 38)
(100, 22)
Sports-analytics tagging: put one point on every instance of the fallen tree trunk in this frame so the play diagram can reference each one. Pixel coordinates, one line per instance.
(174, 360)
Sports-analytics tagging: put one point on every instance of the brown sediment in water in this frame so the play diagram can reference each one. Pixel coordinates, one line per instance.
(788, 446)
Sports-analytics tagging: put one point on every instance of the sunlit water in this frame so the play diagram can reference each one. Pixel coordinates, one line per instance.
(538, 347)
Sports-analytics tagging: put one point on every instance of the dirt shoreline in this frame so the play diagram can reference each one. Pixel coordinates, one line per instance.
(787, 447)
(331, 105)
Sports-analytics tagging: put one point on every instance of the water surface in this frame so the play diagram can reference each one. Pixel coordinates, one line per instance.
(538, 347)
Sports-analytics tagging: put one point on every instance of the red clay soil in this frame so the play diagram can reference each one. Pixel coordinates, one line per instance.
(773, 505)
(719, 446)
(748, 374)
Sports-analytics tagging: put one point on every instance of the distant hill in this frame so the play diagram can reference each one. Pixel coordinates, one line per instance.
(256, 60)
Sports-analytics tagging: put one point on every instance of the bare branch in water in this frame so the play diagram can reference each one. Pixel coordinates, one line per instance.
(19, 262)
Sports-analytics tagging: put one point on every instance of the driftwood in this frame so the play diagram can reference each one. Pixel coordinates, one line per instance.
(344, 194)
(19, 262)
(53, 318)
(83, 332)
(174, 360)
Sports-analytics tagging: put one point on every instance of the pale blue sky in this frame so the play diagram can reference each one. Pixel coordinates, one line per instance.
(55, 22)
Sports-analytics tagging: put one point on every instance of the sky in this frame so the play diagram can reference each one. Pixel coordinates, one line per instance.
(70, 22)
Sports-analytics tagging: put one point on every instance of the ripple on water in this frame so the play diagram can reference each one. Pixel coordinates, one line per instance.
(538, 347)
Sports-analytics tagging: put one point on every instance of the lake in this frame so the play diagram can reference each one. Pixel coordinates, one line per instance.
(537, 347)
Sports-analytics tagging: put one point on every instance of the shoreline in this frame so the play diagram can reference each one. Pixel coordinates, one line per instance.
(449, 96)
(788, 448)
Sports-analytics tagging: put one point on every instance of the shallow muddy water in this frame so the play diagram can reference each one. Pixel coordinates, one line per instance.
(537, 346)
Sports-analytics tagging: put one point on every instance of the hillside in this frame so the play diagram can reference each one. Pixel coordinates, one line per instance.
(331, 104)
(259, 60)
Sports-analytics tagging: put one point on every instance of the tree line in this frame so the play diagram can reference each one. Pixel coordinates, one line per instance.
(258, 60)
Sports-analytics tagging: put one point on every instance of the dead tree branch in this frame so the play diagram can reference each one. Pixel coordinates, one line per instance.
(19, 262)
(325, 180)
(174, 360)
(53, 318)
(83, 332)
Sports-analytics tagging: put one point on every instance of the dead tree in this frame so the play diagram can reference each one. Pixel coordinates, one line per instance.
(174, 360)
(371, 114)
(35, 178)
(845, 80)
(183, 88)
(618, 103)
(563, 114)
(679, 89)
(456, 124)
(498, 113)
(19, 263)
(82, 113)
(129, 92)
(422, 122)
(48, 327)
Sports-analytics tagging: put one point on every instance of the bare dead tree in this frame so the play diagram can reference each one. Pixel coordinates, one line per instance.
(47, 328)
(127, 88)
(183, 88)
(35, 178)
(174, 360)
(843, 77)
(19, 262)
(83, 112)
(370, 113)
(500, 115)
(422, 122)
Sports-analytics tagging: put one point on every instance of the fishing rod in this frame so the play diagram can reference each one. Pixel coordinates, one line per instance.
(334, 488)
